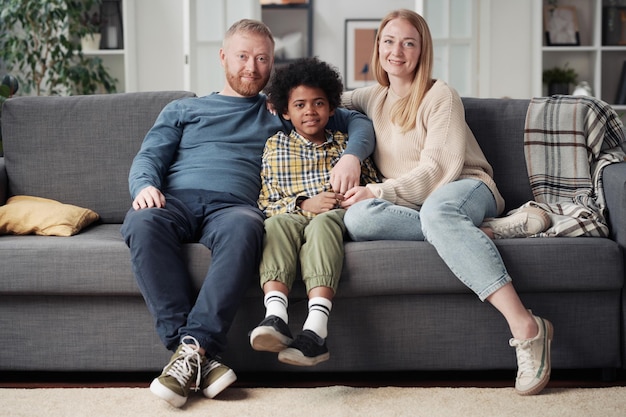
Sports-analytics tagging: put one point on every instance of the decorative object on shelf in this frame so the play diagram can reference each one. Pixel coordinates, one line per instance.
(582, 89)
(561, 26)
(293, 45)
(43, 62)
(360, 38)
(93, 23)
(288, 47)
(614, 24)
(620, 97)
(91, 42)
(112, 31)
(558, 79)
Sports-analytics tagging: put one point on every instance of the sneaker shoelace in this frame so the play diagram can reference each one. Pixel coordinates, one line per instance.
(525, 357)
(182, 367)
(518, 227)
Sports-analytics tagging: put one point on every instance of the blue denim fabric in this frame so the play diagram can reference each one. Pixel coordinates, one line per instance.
(448, 220)
(232, 229)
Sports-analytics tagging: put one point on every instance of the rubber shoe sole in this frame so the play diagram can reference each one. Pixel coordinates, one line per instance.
(161, 391)
(295, 357)
(268, 339)
(220, 384)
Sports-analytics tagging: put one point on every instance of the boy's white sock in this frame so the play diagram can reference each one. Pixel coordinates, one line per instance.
(276, 305)
(317, 320)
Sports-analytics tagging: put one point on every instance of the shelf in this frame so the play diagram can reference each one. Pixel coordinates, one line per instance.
(103, 52)
(292, 27)
(598, 64)
(119, 62)
(286, 6)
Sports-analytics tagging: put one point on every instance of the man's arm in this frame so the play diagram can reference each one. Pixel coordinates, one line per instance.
(152, 162)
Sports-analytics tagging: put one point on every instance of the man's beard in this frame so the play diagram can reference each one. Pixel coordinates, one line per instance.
(245, 88)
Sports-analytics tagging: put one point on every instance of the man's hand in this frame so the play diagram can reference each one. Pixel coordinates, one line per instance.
(356, 194)
(345, 174)
(149, 197)
(322, 202)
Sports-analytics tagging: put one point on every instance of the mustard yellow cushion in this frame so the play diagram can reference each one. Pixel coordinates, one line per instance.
(24, 215)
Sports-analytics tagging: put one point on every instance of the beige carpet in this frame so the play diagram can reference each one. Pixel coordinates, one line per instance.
(318, 402)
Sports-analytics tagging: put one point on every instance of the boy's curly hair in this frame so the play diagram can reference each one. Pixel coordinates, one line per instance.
(310, 72)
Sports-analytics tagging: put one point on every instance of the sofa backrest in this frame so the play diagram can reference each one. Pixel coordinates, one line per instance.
(498, 125)
(78, 150)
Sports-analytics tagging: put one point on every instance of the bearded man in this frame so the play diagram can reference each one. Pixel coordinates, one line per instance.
(197, 178)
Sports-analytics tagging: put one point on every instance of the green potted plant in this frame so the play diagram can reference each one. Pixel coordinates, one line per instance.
(92, 21)
(40, 45)
(558, 79)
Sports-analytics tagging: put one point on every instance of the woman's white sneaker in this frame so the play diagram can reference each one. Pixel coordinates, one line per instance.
(533, 359)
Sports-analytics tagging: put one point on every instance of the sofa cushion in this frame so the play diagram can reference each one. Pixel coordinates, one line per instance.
(23, 215)
(78, 149)
(97, 261)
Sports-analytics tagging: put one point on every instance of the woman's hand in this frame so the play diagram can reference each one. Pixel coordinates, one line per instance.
(356, 194)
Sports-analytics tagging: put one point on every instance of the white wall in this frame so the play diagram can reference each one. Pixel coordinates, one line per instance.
(329, 24)
(505, 41)
(159, 45)
(510, 51)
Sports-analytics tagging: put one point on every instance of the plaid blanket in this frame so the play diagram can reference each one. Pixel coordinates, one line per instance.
(568, 140)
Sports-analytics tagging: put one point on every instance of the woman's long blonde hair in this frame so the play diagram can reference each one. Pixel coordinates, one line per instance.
(404, 112)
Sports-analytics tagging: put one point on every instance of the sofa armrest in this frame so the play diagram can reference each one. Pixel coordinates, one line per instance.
(614, 181)
(4, 183)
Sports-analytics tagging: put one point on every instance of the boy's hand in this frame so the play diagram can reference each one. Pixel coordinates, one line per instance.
(322, 202)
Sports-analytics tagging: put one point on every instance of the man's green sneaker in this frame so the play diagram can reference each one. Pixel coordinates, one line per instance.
(216, 377)
(533, 359)
(174, 383)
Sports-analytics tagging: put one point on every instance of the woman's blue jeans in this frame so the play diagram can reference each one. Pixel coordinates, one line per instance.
(449, 220)
(231, 228)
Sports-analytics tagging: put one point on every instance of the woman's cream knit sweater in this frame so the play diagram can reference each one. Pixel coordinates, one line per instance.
(440, 149)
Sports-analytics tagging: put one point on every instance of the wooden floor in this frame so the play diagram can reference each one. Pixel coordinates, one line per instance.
(487, 379)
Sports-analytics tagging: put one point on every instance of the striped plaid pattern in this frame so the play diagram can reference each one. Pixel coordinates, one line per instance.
(568, 140)
(294, 167)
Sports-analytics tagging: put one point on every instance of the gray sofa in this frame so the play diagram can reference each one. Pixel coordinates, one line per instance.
(71, 303)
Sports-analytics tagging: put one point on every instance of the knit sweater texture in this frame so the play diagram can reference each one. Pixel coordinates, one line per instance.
(440, 149)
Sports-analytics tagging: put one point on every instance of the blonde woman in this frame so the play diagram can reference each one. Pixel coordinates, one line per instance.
(438, 185)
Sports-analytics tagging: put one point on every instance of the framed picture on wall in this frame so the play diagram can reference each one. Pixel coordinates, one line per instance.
(360, 38)
(561, 26)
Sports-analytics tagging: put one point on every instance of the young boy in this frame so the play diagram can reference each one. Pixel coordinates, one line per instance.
(304, 216)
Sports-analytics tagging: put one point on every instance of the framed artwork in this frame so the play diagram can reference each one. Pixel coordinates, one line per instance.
(360, 39)
(561, 26)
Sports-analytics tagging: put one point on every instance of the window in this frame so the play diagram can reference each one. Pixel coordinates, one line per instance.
(454, 31)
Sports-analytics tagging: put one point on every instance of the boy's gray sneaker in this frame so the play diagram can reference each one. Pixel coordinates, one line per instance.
(533, 359)
(216, 377)
(174, 383)
(271, 335)
(308, 349)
